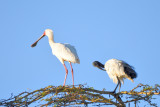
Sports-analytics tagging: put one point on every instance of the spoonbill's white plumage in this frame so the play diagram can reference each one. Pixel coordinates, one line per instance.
(64, 52)
(117, 70)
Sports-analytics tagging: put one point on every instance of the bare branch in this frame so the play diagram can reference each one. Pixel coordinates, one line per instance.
(81, 95)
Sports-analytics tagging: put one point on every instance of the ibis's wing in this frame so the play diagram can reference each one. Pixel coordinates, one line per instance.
(115, 69)
(129, 70)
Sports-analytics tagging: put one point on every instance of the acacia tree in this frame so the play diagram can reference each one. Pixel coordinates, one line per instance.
(83, 95)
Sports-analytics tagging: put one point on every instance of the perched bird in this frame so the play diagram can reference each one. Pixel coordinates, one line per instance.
(117, 71)
(64, 52)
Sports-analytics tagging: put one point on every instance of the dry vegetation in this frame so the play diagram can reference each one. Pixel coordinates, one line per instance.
(83, 95)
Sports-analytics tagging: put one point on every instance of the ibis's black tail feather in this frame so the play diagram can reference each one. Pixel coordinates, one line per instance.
(129, 70)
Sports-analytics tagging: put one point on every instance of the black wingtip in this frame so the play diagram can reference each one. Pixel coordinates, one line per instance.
(129, 70)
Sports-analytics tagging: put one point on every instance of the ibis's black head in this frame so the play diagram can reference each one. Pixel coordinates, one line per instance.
(98, 65)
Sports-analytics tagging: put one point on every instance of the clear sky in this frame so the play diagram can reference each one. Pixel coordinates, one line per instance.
(99, 30)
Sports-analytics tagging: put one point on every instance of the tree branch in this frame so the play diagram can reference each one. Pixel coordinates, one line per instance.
(81, 95)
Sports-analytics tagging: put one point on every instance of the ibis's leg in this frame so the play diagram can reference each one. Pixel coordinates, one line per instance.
(66, 74)
(72, 73)
(117, 85)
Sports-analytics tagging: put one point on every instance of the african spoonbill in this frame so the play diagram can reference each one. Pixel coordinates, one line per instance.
(64, 52)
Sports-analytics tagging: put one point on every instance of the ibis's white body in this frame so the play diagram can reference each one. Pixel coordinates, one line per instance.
(115, 68)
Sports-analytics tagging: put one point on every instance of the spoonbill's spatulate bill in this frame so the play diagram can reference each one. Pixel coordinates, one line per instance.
(117, 71)
(35, 43)
(64, 52)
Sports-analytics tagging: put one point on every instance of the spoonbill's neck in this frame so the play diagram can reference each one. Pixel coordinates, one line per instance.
(51, 40)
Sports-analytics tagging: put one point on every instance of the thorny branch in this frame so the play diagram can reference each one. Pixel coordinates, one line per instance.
(81, 95)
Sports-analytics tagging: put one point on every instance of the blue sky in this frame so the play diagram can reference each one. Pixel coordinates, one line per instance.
(99, 29)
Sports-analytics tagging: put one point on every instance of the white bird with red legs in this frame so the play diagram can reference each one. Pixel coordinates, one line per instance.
(64, 52)
(117, 71)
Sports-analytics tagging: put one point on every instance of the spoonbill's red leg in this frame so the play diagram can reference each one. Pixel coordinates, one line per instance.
(66, 74)
(72, 73)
